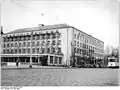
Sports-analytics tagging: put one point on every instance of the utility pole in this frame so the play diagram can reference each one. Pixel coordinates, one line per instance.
(67, 63)
(30, 65)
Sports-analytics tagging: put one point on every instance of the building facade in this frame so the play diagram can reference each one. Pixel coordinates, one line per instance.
(51, 45)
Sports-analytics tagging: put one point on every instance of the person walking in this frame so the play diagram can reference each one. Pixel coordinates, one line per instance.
(17, 63)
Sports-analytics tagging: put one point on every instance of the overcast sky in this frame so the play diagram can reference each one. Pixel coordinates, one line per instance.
(98, 18)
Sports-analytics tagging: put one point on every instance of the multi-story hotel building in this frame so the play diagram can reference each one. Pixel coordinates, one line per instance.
(51, 45)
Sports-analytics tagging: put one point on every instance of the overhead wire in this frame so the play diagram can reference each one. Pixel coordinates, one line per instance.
(23, 6)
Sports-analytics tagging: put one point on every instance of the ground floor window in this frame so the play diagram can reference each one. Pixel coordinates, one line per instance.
(10, 59)
(56, 59)
(51, 59)
(28, 59)
(60, 60)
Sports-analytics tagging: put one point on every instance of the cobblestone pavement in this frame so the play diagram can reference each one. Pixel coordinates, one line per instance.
(59, 77)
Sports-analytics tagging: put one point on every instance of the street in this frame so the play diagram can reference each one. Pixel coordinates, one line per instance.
(59, 77)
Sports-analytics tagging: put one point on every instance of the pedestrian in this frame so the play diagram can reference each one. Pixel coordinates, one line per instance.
(17, 63)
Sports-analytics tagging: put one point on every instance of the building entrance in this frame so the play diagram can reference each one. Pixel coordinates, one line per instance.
(43, 60)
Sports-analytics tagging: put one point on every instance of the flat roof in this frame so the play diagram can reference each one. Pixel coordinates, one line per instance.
(47, 27)
(88, 34)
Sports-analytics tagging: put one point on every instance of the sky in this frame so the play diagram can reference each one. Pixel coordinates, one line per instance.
(99, 18)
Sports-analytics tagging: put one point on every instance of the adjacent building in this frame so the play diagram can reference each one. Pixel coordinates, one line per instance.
(59, 44)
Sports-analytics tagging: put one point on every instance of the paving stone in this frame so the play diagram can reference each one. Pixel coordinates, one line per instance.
(59, 77)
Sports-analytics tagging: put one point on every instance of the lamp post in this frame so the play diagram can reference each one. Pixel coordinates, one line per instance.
(30, 65)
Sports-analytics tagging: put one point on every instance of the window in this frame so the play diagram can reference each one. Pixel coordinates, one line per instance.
(78, 37)
(4, 46)
(56, 59)
(53, 42)
(24, 50)
(59, 50)
(8, 51)
(59, 42)
(43, 43)
(37, 50)
(11, 44)
(40, 36)
(75, 43)
(33, 37)
(33, 44)
(43, 36)
(8, 45)
(20, 38)
(42, 50)
(20, 44)
(19, 50)
(48, 43)
(51, 59)
(28, 44)
(12, 39)
(78, 44)
(4, 51)
(15, 38)
(74, 36)
(15, 51)
(4, 39)
(28, 50)
(24, 38)
(59, 35)
(75, 50)
(78, 50)
(53, 35)
(28, 37)
(38, 43)
(53, 50)
(12, 51)
(48, 36)
(60, 60)
(48, 50)
(9, 39)
(33, 50)
(37, 37)
(24, 44)
(15, 44)
(87, 41)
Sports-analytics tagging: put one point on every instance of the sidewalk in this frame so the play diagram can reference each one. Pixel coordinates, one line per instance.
(27, 67)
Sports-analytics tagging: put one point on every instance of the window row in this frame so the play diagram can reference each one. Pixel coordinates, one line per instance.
(82, 45)
(85, 46)
(87, 53)
(34, 37)
(43, 43)
(85, 39)
(34, 50)
(82, 51)
(55, 60)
